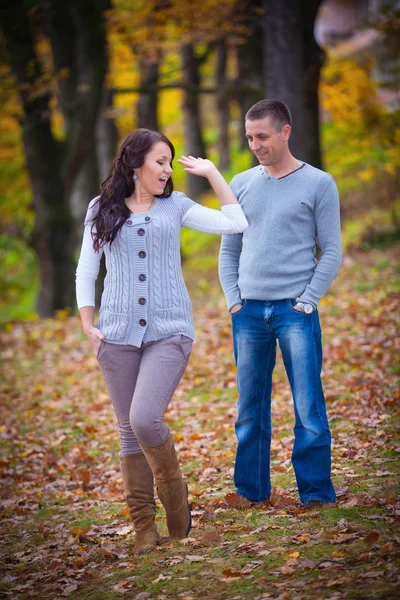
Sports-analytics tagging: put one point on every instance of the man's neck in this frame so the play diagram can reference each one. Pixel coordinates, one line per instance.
(283, 167)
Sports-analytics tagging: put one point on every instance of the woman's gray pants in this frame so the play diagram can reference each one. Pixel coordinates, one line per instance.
(141, 382)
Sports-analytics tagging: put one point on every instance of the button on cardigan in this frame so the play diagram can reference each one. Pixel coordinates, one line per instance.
(145, 297)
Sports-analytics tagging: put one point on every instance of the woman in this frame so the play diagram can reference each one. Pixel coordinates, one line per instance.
(145, 329)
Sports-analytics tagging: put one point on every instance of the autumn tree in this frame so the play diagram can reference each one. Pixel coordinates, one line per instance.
(222, 104)
(292, 64)
(193, 32)
(75, 34)
(204, 29)
(250, 59)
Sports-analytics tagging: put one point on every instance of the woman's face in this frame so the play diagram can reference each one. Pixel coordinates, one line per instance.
(156, 169)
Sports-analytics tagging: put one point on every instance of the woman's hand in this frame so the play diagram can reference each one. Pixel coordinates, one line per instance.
(198, 166)
(95, 337)
(205, 168)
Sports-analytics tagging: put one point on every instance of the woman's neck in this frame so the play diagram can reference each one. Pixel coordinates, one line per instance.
(144, 199)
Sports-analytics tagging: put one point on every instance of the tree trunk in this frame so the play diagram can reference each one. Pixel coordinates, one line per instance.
(283, 64)
(222, 102)
(147, 106)
(106, 134)
(81, 96)
(53, 225)
(250, 61)
(77, 35)
(292, 65)
(85, 188)
(106, 144)
(77, 42)
(193, 139)
(314, 57)
(43, 153)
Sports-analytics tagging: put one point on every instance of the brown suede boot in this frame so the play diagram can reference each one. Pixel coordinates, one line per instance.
(171, 488)
(138, 483)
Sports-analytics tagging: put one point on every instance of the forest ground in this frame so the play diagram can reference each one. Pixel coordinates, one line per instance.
(65, 528)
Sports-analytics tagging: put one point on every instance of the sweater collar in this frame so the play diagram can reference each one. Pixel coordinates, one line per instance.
(300, 166)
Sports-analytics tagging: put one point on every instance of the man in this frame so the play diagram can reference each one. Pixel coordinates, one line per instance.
(273, 283)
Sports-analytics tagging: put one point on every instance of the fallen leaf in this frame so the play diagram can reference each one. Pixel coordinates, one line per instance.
(286, 570)
(307, 564)
(162, 577)
(67, 591)
(337, 582)
(230, 573)
(237, 501)
(372, 537)
(124, 530)
(344, 538)
(77, 531)
(187, 540)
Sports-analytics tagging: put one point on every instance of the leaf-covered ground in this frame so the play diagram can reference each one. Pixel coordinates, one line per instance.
(65, 529)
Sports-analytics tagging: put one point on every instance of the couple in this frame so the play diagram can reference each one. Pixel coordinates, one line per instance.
(270, 218)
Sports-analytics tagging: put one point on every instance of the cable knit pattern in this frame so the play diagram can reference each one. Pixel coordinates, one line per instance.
(156, 263)
(145, 297)
(172, 262)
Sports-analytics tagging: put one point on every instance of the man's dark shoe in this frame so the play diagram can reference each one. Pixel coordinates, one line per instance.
(312, 504)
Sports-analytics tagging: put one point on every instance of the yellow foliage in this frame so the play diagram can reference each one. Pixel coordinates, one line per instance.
(181, 21)
(390, 168)
(63, 314)
(15, 194)
(349, 94)
(367, 174)
(169, 112)
(362, 139)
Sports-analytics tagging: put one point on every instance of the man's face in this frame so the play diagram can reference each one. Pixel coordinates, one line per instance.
(266, 142)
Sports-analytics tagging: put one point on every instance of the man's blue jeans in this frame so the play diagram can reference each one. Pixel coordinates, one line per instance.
(256, 328)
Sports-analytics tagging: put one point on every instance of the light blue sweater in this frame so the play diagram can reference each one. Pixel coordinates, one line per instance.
(275, 258)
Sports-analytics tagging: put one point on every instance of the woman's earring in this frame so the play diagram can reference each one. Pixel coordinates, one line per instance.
(135, 177)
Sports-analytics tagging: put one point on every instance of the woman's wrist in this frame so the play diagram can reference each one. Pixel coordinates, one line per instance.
(213, 173)
(87, 318)
(222, 189)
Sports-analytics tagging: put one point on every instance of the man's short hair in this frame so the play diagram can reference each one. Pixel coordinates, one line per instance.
(277, 111)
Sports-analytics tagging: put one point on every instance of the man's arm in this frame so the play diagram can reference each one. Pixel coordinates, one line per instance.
(228, 267)
(327, 219)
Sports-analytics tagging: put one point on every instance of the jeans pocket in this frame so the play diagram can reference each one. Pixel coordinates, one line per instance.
(291, 304)
(240, 309)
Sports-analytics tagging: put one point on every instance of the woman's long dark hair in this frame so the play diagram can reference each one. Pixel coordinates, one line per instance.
(110, 208)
